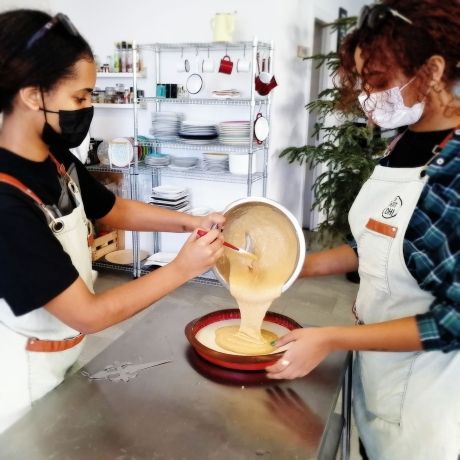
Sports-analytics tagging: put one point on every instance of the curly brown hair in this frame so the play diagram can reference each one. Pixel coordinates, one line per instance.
(396, 46)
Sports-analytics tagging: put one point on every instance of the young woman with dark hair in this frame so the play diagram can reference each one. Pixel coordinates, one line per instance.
(403, 63)
(47, 302)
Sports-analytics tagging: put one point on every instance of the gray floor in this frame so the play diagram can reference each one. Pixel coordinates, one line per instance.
(327, 301)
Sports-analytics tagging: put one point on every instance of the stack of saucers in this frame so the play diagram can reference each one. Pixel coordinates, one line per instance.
(183, 163)
(195, 132)
(158, 160)
(235, 132)
(175, 198)
(166, 125)
(215, 162)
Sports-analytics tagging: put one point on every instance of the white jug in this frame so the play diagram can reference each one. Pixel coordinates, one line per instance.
(223, 25)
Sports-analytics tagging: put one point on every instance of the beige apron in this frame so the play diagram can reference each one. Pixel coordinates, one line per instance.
(407, 405)
(27, 375)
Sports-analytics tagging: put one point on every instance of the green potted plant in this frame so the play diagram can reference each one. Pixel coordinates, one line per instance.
(348, 149)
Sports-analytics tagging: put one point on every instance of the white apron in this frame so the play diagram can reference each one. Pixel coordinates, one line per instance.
(26, 376)
(406, 404)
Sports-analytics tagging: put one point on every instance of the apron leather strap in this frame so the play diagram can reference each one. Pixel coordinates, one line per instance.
(59, 166)
(7, 179)
(48, 346)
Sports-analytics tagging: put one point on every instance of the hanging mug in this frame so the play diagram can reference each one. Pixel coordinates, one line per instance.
(207, 65)
(183, 65)
(226, 65)
(243, 65)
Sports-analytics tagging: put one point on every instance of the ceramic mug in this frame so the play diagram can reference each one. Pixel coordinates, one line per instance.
(243, 65)
(161, 90)
(207, 65)
(264, 83)
(226, 65)
(183, 65)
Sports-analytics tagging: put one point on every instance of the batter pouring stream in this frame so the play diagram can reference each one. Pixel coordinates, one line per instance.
(256, 284)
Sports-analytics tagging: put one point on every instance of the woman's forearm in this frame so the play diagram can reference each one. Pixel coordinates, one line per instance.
(396, 335)
(138, 216)
(341, 259)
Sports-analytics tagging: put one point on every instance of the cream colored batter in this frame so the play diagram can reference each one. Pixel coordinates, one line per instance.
(255, 284)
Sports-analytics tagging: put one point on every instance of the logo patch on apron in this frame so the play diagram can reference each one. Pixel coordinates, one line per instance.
(393, 208)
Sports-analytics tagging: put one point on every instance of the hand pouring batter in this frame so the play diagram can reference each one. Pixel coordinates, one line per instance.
(255, 286)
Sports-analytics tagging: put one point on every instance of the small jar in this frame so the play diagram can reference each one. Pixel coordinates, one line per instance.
(110, 94)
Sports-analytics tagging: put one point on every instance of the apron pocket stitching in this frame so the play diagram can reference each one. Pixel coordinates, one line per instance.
(406, 384)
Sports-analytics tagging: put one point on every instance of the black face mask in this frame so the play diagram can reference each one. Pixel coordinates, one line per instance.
(74, 126)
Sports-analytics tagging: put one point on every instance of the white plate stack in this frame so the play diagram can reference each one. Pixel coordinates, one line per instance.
(166, 125)
(175, 198)
(215, 162)
(235, 132)
(195, 132)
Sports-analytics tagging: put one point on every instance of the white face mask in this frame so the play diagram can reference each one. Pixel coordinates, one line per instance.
(387, 109)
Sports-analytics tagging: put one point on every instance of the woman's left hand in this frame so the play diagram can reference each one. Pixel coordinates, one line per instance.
(211, 220)
(309, 346)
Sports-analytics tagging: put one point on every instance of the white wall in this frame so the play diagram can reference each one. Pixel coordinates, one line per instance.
(288, 23)
(29, 4)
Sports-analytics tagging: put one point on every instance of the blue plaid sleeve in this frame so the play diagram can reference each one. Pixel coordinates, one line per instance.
(432, 250)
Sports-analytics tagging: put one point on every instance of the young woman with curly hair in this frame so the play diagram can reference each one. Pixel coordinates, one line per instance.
(403, 63)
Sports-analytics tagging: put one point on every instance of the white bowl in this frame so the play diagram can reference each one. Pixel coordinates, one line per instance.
(295, 227)
(239, 163)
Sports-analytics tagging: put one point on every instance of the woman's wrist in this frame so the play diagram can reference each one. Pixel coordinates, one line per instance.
(188, 222)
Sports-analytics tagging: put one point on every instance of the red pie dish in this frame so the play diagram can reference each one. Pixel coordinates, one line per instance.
(211, 352)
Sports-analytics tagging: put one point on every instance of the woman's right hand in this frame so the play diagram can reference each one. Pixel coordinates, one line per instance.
(199, 254)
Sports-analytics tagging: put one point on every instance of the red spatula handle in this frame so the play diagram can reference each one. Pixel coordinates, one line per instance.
(203, 232)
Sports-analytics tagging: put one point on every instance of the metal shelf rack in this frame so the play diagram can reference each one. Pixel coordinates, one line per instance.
(138, 167)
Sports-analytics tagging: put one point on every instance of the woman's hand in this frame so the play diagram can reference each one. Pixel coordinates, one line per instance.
(309, 346)
(199, 254)
(210, 221)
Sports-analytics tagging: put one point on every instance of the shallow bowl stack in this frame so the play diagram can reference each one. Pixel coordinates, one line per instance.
(157, 160)
(215, 162)
(183, 163)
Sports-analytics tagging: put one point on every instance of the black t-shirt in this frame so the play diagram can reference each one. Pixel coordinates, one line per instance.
(33, 265)
(414, 149)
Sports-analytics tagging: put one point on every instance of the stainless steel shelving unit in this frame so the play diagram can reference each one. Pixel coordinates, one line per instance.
(138, 167)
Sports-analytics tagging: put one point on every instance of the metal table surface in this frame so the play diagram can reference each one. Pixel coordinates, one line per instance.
(186, 409)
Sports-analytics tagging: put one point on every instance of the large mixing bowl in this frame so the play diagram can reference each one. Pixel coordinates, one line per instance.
(221, 269)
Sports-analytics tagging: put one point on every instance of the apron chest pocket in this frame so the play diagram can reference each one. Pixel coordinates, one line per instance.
(374, 250)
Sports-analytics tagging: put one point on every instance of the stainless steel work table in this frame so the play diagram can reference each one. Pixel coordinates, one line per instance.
(186, 409)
